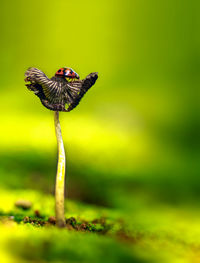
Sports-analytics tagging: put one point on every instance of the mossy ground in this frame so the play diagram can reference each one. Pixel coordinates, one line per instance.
(95, 234)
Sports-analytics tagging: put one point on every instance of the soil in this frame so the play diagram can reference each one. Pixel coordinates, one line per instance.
(98, 225)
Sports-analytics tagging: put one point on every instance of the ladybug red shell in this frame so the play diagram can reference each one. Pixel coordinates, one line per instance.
(67, 73)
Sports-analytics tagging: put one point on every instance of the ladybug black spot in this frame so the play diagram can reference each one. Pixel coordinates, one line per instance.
(59, 70)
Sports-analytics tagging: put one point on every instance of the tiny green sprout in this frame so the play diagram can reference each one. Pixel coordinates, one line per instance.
(65, 88)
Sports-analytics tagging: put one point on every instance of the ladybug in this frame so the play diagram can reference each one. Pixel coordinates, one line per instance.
(67, 73)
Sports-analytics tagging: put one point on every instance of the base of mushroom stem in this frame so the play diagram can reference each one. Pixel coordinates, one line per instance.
(60, 223)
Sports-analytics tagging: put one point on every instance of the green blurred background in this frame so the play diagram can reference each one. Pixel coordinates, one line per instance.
(133, 142)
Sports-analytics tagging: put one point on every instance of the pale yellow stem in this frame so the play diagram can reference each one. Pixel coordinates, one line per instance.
(60, 176)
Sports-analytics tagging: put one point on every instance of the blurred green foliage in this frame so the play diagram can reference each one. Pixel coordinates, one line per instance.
(133, 142)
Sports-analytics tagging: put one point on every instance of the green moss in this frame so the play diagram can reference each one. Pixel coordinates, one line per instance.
(95, 234)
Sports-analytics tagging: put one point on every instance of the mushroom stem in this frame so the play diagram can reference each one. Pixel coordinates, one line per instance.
(60, 176)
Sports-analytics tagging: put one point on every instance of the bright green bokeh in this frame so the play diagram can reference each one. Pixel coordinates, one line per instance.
(133, 142)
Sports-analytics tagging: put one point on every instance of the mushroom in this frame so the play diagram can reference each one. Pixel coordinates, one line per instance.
(64, 88)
